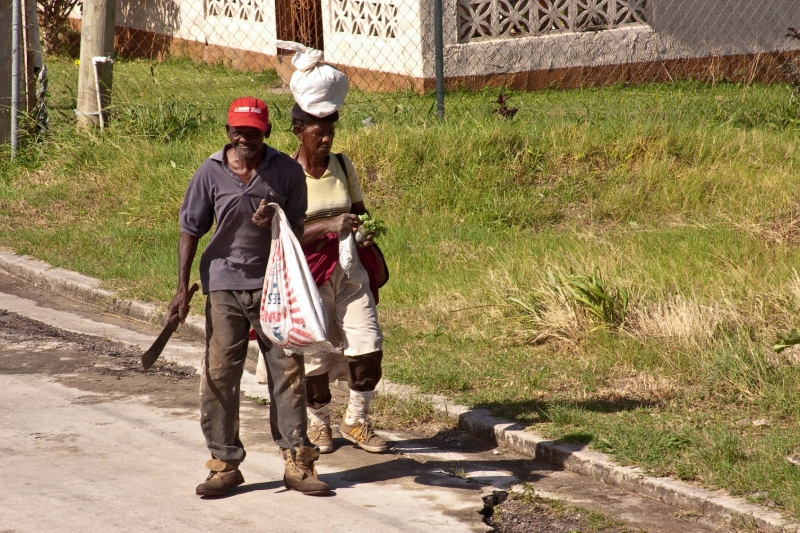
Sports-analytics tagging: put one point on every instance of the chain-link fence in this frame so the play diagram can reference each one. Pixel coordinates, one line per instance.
(206, 52)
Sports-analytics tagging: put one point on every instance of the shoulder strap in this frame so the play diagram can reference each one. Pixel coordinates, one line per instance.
(340, 158)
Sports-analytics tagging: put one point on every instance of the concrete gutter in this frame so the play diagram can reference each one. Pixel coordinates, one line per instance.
(572, 457)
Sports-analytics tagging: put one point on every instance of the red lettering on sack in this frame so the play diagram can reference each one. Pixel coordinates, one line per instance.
(273, 317)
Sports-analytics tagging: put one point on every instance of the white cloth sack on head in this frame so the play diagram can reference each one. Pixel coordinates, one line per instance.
(318, 88)
(292, 315)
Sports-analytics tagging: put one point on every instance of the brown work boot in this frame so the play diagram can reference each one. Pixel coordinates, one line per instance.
(321, 436)
(362, 434)
(223, 477)
(300, 474)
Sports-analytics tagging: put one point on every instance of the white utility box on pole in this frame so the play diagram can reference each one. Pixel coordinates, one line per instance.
(97, 41)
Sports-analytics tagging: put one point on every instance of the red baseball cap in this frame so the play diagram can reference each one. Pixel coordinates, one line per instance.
(249, 112)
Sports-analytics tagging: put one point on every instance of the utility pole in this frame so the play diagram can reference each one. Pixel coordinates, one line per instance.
(5, 71)
(97, 42)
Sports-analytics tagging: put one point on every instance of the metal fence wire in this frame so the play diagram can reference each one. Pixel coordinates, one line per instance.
(215, 50)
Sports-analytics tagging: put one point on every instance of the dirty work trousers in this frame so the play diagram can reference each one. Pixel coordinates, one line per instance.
(229, 316)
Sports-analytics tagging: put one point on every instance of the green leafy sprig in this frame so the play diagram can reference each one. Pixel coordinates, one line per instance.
(371, 226)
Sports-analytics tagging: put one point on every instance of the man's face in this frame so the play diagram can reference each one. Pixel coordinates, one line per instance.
(247, 141)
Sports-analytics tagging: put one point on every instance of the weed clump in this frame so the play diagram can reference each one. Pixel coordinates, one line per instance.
(561, 306)
(163, 122)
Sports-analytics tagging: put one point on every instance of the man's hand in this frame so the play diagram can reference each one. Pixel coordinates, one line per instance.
(179, 304)
(343, 224)
(263, 215)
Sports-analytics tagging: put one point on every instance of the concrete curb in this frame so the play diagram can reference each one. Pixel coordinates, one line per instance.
(574, 458)
(85, 289)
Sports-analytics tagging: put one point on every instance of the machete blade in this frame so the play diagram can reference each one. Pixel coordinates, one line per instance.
(149, 357)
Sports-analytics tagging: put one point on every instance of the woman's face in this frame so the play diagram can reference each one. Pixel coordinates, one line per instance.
(317, 137)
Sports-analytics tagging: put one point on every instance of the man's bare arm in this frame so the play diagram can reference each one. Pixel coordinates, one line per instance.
(187, 249)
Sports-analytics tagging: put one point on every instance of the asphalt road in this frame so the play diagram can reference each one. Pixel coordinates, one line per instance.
(95, 444)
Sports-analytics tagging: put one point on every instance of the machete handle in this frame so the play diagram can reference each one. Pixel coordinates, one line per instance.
(149, 357)
(173, 319)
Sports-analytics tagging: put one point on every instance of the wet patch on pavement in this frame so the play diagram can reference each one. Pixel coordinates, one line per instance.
(105, 369)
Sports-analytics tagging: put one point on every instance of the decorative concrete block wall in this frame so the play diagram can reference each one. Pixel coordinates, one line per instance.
(503, 36)
(376, 35)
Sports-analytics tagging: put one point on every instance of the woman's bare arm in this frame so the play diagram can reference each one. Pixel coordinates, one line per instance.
(319, 228)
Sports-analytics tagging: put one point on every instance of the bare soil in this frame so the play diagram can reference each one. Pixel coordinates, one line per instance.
(527, 513)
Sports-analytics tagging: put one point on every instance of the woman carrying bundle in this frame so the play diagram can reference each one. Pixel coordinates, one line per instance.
(334, 203)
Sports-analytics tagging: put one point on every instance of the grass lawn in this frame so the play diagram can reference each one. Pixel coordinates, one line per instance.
(514, 246)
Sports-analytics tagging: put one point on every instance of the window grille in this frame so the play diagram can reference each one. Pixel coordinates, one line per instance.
(251, 10)
(505, 19)
(366, 17)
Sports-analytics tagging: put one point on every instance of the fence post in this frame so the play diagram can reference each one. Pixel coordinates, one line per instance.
(5, 73)
(97, 40)
(33, 53)
(16, 52)
(438, 43)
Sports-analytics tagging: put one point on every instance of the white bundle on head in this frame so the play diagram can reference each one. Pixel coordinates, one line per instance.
(318, 88)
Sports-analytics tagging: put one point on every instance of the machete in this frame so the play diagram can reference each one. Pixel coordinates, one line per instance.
(155, 350)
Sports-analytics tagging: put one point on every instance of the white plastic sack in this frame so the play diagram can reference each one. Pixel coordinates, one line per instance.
(292, 315)
(318, 88)
(347, 252)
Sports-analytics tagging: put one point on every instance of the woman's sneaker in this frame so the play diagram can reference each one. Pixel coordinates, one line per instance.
(321, 436)
(362, 434)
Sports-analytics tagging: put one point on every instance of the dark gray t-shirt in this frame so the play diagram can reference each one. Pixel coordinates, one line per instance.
(236, 256)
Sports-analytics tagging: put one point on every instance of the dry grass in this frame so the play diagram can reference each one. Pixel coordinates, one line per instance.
(642, 387)
(679, 319)
(792, 289)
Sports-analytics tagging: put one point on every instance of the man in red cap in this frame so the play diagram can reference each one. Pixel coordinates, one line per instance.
(233, 188)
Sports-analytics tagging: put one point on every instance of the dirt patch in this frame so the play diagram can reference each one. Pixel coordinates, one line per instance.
(526, 512)
(107, 370)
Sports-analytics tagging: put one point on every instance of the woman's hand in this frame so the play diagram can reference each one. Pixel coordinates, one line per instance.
(343, 224)
(366, 240)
